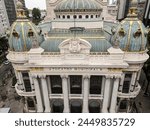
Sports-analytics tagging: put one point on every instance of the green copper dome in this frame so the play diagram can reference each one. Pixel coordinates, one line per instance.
(78, 6)
(23, 34)
(131, 34)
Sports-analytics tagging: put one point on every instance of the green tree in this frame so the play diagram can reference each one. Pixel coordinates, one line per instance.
(3, 44)
(36, 14)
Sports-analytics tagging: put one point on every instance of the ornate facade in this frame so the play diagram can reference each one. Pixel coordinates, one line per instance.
(106, 15)
(75, 68)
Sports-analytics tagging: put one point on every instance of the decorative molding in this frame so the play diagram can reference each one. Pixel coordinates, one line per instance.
(86, 76)
(42, 76)
(37, 69)
(34, 76)
(64, 76)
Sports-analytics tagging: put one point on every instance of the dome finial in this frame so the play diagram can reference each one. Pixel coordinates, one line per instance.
(133, 11)
(20, 10)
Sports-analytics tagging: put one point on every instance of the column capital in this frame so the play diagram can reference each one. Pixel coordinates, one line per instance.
(109, 76)
(42, 76)
(34, 76)
(64, 76)
(86, 76)
(117, 76)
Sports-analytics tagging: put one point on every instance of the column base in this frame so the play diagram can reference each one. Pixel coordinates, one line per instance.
(112, 111)
(47, 111)
(39, 111)
(66, 111)
(104, 111)
(85, 111)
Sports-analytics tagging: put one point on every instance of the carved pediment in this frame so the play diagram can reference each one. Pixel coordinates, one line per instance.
(75, 46)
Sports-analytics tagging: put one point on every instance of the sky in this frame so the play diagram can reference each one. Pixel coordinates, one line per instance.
(41, 4)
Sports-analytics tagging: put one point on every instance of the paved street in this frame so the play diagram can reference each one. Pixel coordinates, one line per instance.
(8, 96)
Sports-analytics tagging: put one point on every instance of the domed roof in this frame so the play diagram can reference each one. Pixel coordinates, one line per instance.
(78, 6)
(57, 36)
(131, 34)
(24, 34)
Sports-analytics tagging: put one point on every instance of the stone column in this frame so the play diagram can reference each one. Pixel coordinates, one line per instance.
(138, 77)
(121, 82)
(133, 79)
(20, 81)
(45, 93)
(114, 95)
(49, 84)
(106, 95)
(86, 87)
(103, 85)
(65, 93)
(38, 94)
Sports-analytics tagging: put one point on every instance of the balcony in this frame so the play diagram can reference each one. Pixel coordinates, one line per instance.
(23, 93)
(131, 94)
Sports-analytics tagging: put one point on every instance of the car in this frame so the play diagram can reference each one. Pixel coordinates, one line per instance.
(6, 62)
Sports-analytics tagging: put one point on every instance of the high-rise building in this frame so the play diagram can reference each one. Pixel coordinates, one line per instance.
(11, 11)
(4, 20)
(146, 18)
(75, 68)
(123, 6)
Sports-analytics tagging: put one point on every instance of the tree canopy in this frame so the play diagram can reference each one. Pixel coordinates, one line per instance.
(36, 14)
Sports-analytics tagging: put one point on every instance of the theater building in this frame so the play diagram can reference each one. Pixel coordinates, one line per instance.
(76, 67)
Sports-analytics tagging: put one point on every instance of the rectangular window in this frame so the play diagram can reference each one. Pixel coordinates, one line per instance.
(127, 81)
(95, 84)
(26, 81)
(76, 84)
(56, 84)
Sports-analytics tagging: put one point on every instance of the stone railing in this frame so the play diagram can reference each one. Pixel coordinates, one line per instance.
(131, 94)
(23, 93)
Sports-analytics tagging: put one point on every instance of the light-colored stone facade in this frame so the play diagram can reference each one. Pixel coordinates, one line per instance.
(106, 14)
(75, 68)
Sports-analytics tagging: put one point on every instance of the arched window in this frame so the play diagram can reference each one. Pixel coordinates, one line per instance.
(75, 16)
(80, 16)
(68, 16)
(86, 16)
(91, 16)
(63, 16)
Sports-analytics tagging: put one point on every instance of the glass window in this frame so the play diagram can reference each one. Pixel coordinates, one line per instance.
(56, 84)
(68, 16)
(76, 84)
(80, 16)
(127, 81)
(63, 16)
(75, 16)
(87, 16)
(26, 81)
(95, 84)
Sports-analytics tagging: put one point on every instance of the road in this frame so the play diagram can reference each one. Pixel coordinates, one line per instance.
(4, 70)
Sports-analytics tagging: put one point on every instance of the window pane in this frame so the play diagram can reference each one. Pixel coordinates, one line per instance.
(56, 84)
(95, 84)
(76, 84)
